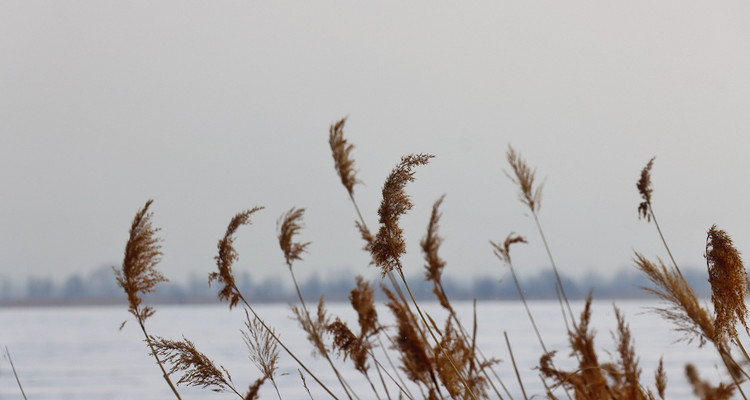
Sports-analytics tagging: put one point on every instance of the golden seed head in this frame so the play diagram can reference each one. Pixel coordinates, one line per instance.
(138, 274)
(389, 244)
(227, 255)
(341, 151)
(430, 244)
(645, 189)
(729, 282)
(288, 226)
(196, 367)
(523, 176)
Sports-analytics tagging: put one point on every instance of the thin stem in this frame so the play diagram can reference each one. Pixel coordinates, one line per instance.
(273, 381)
(526, 306)
(153, 353)
(666, 246)
(276, 338)
(13, 367)
(404, 388)
(380, 375)
(725, 356)
(515, 367)
(317, 336)
(557, 275)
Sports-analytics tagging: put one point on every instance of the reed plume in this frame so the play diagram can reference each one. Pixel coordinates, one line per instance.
(343, 161)
(646, 208)
(315, 328)
(704, 389)
(628, 374)
(227, 256)
(350, 345)
(362, 299)
(588, 381)
(524, 176)
(645, 189)
(289, 225)
(682, 307)
(430, 245)
(530, 194)
(389, 243)
(729, 283)
(660, 379)
(138, 275)
(463, 356)
(263, 348)
(686, 313)
(197, 369)
(415, 358)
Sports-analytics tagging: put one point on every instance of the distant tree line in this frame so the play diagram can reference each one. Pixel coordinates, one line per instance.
(99, 287)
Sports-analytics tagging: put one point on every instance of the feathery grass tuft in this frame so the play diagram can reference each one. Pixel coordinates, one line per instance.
(362, 299)
(315, 328)
(288, 226)
(343, 161)
(227, 256)
(263, 348)
(682, 306)
(660, 379)
(389, 243)
(729, 283)
(430, 244)
(264, 352)
(704, 389)
(197, 368)
(645, 189)
(138, 274)
(415, 359)
(523, 176)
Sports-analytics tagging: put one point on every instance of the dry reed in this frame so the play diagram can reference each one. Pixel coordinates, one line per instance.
(729, 283)
(138, 275)
(448, 366)
(389, 244)
(530, 194)
(227, 256)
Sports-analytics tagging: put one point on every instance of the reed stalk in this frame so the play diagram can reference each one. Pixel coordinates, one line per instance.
(138, 275)
(15, 373)
(288, 226)
(225, 258)
(530, 195)
(515, 367)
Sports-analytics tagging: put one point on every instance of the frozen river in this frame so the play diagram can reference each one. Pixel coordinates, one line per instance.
(79, 353)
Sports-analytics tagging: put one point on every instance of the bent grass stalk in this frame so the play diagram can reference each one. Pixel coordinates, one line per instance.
(138, 275)
(288, 226)
(226, 256)
(531, 196)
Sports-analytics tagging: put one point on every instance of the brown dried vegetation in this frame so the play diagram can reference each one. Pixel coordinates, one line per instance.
(450, 365)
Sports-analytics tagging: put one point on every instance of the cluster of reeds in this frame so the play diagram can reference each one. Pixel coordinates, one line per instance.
(433, 359)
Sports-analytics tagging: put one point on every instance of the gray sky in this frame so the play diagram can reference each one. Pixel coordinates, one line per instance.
(210, 108)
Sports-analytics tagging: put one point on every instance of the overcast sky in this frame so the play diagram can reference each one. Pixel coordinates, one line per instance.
(214, 107)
